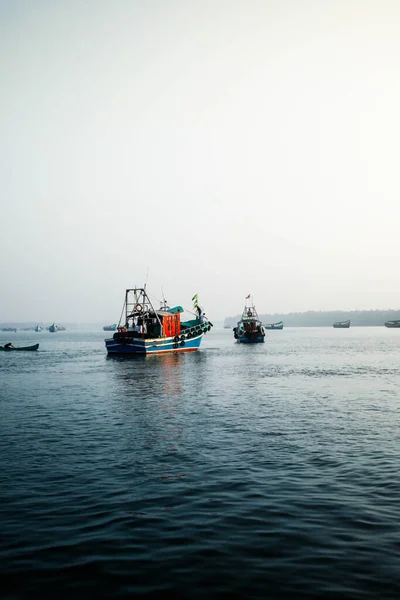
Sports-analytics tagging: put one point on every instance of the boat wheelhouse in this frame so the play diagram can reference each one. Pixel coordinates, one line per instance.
(249, 329)
(145, 330)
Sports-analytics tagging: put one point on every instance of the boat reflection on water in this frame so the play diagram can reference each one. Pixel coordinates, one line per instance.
(169, 369)
(148, 392)
(149, 376)
(172, 374)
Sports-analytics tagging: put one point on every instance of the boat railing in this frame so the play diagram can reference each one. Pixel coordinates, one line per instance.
(201, 328)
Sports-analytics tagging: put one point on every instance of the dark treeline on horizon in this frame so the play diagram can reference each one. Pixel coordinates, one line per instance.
(314, 318)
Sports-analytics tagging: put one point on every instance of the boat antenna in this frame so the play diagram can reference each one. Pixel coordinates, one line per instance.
(147, 276)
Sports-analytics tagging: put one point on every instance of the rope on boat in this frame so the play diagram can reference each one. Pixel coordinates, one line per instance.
(122, 312)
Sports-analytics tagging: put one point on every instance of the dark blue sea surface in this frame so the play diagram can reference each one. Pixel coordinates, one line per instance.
(264, 471)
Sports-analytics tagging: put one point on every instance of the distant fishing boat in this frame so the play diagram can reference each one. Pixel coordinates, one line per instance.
(227, 326)
(249, 329)
(278, 325)
(38, 328)
(110, 327)
(146, 330)
(53, 328)
(342, 324)
(392, 324)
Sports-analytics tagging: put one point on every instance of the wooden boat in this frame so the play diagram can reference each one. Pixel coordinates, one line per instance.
(249, 329)
(342, 324)
(392, 324)
(146, 330)
(24, 348)
(278, 325)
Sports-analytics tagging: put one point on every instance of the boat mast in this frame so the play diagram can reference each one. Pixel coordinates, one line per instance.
(126, 308)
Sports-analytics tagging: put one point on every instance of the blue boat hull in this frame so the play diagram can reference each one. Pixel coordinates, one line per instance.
(153, 346)
(255, 340)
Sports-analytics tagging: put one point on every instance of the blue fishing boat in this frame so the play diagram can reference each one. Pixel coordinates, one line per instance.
(145, 330)
(249, 329)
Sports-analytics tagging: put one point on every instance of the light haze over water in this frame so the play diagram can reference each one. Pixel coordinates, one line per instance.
(232, 147)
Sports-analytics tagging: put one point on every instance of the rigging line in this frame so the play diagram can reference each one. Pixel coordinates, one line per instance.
(152, 296)
(122, 312)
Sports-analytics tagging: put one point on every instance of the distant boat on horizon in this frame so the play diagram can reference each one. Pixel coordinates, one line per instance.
(38, 328)
(278, 325)
(392, 324)
(53, 328)
(110, 327)
(342, 324)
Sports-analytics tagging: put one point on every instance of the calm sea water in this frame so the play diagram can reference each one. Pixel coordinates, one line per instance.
(257, 472)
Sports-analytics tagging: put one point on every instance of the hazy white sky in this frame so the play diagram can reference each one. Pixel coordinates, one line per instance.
(231, 146)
